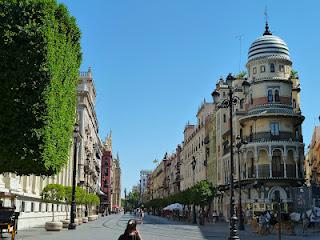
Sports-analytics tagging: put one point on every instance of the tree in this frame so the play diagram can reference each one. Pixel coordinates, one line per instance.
(40, 57)
(241, 75)
(133, 199)
(53, 193)
(294, 74)
(92, 200)
(202, 195)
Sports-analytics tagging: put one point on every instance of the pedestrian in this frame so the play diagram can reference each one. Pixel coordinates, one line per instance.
(141, 216)
(131, 232)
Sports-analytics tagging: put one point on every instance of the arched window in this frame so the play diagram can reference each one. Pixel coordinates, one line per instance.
(270, 96)
(241, 103)
(294, 103)
(276, 96)
(272, 67)
(277, 164)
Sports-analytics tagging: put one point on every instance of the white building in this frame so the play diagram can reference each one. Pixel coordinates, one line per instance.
(33, 212)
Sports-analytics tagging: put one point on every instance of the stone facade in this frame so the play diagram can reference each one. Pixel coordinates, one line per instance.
(33, 212)
(193, 154)
(269, 118)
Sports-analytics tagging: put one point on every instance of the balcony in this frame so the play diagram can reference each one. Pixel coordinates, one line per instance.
(267, 136)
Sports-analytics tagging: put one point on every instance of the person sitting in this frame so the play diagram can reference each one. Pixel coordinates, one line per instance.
(131, 232)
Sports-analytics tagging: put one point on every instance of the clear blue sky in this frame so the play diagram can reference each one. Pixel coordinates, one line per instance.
(154, 62)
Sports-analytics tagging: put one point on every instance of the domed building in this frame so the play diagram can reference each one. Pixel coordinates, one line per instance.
(269, 119)
(273, 158)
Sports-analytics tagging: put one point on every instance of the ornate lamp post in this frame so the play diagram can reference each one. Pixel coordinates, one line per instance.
(193, 164)
(228, 103)
(239, 143)
(72, 224)
(125, 200)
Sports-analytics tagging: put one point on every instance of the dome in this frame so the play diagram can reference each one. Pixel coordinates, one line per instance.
(268, 46)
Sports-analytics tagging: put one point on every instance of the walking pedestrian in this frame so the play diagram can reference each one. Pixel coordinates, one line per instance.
(131, 232)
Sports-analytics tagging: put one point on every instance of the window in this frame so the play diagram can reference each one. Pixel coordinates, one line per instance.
(297, 135)
(276, 96)
(241, 103)
(251, 99)
(274, 129)
(254, 70)
(40, 207)
(270, 96)
(262, 68)
(272, 67)
(224, 94)
(281, 68)
(241, 133)
(23, 206)
(32, 207)
(224, 118)
(294, 103)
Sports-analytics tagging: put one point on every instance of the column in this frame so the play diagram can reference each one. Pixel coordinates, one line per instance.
(256, 161)
(284, 159)
(270, 165)
(2, 184)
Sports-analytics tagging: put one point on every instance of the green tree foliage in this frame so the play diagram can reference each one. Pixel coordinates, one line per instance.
(241, 75)
(80, 195)
(40, 57)
(294, 74)
(133, 200)
(53, 193)
(200, 194)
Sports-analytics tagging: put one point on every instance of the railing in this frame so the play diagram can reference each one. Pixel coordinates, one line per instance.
(226, 150)
(264, 171)
(267, 136)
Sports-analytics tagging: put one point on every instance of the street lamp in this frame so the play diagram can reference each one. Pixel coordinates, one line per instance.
(228, 103)
(86, 171)
(72, 224)
(239, 143)
(125, 200)
(193, 164)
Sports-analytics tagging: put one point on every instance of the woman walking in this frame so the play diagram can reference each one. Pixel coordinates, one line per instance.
(131, 232)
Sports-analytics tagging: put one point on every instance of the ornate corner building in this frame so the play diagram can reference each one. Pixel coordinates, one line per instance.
(269, 118)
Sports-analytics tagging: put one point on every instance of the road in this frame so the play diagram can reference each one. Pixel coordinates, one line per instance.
(155, 228)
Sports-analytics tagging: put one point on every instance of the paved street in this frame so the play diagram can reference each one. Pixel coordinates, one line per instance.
(154, 228)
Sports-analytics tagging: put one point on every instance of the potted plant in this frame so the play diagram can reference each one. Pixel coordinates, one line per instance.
(93, 200)
(53, 193)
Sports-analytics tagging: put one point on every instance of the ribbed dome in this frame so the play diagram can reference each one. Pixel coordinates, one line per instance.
(267, 46)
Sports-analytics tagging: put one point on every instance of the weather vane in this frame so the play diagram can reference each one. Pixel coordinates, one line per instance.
(266, 13)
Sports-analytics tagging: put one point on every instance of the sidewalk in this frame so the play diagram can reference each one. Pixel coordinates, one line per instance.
(222, 228)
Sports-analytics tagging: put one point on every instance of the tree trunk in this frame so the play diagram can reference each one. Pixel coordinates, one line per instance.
(53, 219)
(194, 220)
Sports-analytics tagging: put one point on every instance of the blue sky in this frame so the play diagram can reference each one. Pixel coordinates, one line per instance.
(155, 61)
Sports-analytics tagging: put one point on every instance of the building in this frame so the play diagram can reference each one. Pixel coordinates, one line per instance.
(143, 182)
(90, 146)
(193, 154)
(106, 173)
(172, 174)
(312, 169)
(34, 212)
(158, 180)
(269, 118)
(312, 163)
(116, 189)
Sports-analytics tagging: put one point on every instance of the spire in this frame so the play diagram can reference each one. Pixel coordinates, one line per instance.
(266, 31)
